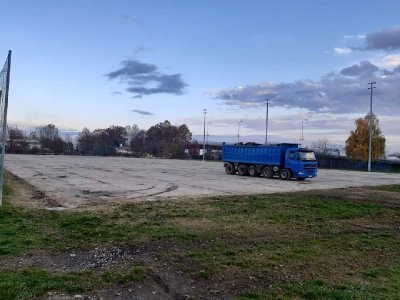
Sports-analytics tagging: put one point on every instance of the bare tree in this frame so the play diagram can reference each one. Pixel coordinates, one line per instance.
(85, 141)
(115, 136)
(166, 140)
(138, 143)
(16, 140)
(48, 137)
(68, 146)
(101, 141)
(131, 132)
(320, 146)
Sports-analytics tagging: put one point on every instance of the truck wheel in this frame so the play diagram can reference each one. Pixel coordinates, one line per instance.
(230, 169)
(242, 170)
(285, 174)
(252, 170)
(267, 172)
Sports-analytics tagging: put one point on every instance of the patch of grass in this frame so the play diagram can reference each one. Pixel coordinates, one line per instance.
(384, 283)
(317, 253)
(389, 188)
(97, 228)
(21, 230)
(7, 190)
(251, 296)
(135, 273)
(32, 283)
(293, 209)
(318, 289)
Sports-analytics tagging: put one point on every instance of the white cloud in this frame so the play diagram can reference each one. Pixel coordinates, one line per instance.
(343, 91)
(389, 61)
(342, 51)
(359, 36)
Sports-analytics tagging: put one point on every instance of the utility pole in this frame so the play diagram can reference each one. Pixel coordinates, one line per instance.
(370, 127)
(207, 135)
(204, 133)
(266, 122)
(302, 129)
(239, 129)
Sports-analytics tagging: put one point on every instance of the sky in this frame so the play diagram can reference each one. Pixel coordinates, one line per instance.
(97, 63)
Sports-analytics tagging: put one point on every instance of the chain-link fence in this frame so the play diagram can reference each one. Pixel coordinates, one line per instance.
(4, 86)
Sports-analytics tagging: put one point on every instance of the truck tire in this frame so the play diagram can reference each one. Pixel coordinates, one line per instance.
(285, 174)
(230, 169)
(242, 170)
(267, 172)
(252, 170)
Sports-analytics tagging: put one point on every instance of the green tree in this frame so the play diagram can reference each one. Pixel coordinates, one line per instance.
(358, 141)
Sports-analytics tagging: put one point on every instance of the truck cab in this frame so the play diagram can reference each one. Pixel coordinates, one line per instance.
(301, 162)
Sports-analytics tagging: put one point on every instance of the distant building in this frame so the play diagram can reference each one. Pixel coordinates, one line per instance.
(213, 151)
(33, 144)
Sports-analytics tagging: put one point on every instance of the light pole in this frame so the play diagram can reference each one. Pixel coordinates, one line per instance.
(266, 122)
(370, 127)
(239, 129)
(208, 123)
(204, 133)
(302, 129)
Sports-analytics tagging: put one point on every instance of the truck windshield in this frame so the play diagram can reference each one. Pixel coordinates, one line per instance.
(307, 155)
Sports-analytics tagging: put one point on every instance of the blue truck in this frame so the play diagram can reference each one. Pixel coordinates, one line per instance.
(283, 160)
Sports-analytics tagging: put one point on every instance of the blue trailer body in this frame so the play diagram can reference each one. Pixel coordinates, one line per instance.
(256, 154)
(285, 160)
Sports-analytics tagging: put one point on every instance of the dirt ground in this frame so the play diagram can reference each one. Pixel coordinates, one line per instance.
(83, 182)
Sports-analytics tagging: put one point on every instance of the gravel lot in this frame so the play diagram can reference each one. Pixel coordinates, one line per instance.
(76, 181)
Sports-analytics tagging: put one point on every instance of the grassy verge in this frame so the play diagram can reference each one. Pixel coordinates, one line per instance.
(315, 245)
(33, 282)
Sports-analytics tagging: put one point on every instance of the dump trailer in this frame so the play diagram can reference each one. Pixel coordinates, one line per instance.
(283, 160)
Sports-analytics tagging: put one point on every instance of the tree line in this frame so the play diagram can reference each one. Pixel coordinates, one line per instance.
(45, 139)
(161, 140)
(167, 140)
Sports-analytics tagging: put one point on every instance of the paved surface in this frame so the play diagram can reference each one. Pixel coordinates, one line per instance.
(75, 181)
